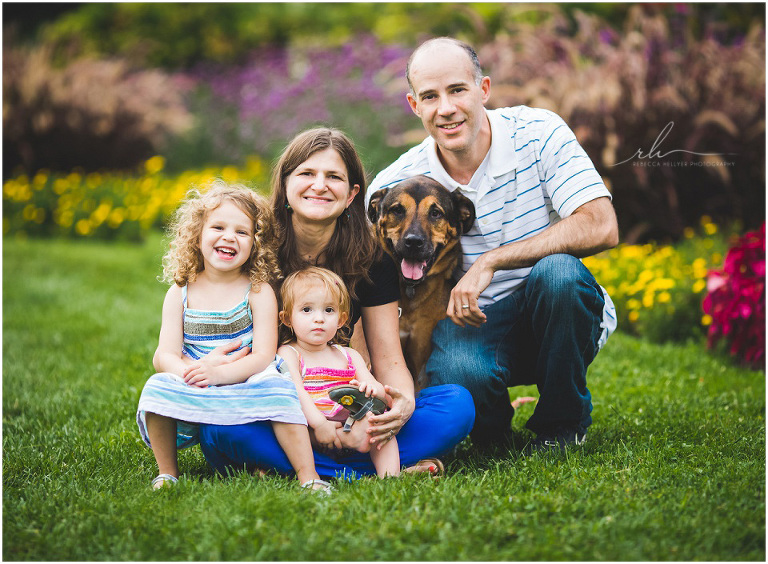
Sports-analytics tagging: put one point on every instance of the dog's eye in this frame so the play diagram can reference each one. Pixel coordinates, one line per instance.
(397, 210)
(436, 213)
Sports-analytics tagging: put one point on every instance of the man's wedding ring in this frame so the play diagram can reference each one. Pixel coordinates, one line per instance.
(465, 307)
(391, 433)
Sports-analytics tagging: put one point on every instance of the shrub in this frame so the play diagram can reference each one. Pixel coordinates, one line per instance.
(736, 300)
(94, 114)
(107, 205)
(620, 89)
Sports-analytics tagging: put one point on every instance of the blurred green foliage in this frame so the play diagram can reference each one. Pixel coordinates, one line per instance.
(178, 35)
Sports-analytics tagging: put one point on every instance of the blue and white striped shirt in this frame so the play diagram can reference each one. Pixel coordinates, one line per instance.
(535, 174)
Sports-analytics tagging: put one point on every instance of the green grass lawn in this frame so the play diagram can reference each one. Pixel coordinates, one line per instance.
(673, 469)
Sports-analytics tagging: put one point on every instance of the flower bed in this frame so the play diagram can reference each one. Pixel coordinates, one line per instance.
(108, 205)
(658, 289)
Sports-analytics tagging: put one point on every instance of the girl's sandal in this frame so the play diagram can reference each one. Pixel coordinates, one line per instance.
(323, 488)
(434, 466)
(163, 479)
(357, 403)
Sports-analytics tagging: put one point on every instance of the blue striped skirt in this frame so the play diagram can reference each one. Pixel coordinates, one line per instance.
(267, 396)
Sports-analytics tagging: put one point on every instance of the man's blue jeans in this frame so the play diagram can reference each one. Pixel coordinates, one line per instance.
(545, 333)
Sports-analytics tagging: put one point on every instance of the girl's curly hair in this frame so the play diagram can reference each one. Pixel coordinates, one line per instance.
(184, 260)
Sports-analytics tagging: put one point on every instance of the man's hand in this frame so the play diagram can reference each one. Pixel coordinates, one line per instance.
(463, 308)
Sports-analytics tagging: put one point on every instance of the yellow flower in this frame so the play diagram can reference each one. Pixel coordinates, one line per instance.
(706, 320)
(648, 300)
(116, 218)
(83, 227)
(60, 186)
(633, 316)
(698, 286)
(689, 232)
(154, 165)
(40, 179)
(664, 297)
(710, 228)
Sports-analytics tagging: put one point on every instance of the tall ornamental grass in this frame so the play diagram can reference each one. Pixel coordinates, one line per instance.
(655, 85)
(91, 113)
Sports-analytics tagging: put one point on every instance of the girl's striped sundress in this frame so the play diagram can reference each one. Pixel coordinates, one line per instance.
(269, 395)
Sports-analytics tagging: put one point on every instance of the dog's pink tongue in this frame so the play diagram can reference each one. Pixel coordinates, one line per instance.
(413, 270)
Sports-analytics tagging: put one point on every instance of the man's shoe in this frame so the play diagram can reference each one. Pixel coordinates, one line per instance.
(557, 441)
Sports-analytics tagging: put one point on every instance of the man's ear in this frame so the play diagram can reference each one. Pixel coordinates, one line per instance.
(485, 86)
(373, 204)
(412, 102)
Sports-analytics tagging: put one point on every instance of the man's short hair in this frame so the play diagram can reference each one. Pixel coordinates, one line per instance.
(477, 71)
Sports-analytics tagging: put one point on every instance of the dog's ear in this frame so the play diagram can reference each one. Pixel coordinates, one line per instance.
(465, 210)
(373, 204)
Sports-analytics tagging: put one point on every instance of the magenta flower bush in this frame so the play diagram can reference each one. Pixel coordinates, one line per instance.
(736, 300)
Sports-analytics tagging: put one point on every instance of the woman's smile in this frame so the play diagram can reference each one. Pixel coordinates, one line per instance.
(318, 189)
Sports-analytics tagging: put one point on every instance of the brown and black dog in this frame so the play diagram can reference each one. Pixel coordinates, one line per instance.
(419, 223)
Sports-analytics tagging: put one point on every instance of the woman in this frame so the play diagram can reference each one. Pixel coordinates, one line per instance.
(318, 188)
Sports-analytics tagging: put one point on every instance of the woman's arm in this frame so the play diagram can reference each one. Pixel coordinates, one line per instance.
(264, 307)
(382, 335)
(168, 355)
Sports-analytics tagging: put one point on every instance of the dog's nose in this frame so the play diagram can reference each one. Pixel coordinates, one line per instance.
(413, 242)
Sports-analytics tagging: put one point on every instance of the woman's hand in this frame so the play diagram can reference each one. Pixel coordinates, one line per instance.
(385, 426)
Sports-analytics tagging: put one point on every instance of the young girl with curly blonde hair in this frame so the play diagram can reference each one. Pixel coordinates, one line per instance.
(221, 264)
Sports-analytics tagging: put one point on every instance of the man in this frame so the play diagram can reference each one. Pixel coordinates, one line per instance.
(525, 310)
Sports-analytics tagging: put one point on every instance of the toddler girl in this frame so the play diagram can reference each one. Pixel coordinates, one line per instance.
(221, 263)
(315, 307)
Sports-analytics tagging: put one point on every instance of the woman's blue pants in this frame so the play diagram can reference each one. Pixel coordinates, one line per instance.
(443, 417)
